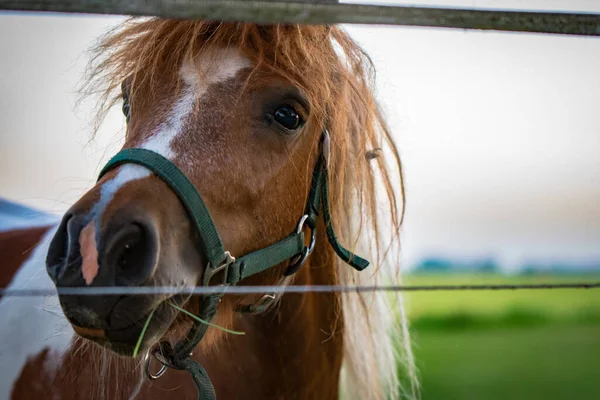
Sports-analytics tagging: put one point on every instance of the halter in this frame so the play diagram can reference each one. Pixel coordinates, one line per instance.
(223, 268)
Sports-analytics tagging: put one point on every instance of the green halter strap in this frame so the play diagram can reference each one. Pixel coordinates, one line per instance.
(220, 262)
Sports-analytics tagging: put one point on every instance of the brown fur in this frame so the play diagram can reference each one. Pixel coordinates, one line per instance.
(296, 349)
(16, 247)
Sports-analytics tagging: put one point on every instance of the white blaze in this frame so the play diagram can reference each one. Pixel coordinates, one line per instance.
(210, 68)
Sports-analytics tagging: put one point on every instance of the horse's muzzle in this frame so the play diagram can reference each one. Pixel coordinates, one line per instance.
(85, 254)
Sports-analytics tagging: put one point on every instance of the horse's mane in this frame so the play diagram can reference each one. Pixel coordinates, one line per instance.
(336, 75)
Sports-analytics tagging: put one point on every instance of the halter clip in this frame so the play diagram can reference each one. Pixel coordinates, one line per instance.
(210, 272)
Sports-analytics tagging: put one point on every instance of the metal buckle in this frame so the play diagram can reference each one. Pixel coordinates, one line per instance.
(297, 261)
(262, 304)
(210, 272)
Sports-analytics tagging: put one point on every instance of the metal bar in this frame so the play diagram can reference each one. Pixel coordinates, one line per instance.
(148, 290)
(311, 13)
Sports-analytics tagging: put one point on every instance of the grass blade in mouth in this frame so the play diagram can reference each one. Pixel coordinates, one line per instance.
(186, 312)
(142, 333)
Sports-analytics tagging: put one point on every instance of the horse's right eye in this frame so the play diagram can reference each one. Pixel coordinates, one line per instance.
(288, 117)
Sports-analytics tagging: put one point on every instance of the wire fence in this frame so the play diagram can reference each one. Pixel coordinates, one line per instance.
(313, 12)
(241, 290)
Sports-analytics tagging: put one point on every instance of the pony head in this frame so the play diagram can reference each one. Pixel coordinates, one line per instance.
(240, 109)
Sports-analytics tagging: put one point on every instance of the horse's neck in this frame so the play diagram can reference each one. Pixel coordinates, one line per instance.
(293, 351)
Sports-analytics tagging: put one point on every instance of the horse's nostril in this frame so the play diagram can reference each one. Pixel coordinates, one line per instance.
(127, 245)
(58, 252)
(127, 255)
(131, 252)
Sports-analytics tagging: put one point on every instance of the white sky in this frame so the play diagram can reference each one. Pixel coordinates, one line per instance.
(499, 132)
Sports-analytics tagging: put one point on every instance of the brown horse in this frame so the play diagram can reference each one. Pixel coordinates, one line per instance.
(240, 109)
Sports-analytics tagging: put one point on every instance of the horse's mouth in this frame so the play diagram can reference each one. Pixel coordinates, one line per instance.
(124, 340)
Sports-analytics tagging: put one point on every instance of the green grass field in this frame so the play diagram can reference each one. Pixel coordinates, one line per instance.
(506, 345)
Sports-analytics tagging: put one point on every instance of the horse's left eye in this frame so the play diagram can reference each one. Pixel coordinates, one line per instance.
(126, 108)
(288, 117)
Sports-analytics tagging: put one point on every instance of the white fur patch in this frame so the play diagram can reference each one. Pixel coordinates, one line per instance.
(30, 324)
(127, 173)
(211, 68)
(217, 66)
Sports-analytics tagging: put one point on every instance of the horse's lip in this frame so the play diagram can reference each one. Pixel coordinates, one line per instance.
(124, 339)
(100, 335)
(139, 323)
(107, 337)
(90, 333)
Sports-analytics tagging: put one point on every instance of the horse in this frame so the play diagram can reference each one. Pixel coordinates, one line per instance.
(247, 113)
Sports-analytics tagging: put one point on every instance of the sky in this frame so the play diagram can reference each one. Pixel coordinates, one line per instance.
(499, 132)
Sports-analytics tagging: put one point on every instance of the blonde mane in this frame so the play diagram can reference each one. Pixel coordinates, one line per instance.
(365, 170)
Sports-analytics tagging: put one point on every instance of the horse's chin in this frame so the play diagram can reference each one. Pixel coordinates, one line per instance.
(123, 341)
(121, 349)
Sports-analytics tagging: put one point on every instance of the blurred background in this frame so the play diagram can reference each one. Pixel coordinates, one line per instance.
(499, 134)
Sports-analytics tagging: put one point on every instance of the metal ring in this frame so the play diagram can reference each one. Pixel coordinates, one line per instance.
(301, 223)
(300, 227)
(162, 359)
(149, 374)
(297, 260)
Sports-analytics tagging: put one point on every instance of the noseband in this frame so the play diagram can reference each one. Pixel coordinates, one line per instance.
(224, 269)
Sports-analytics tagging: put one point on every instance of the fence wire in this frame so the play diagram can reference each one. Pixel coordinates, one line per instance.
(314, 13)
(269, 12)
(241, 290)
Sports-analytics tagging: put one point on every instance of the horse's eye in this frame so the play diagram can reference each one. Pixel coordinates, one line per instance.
(126, 108)
(288, 117)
